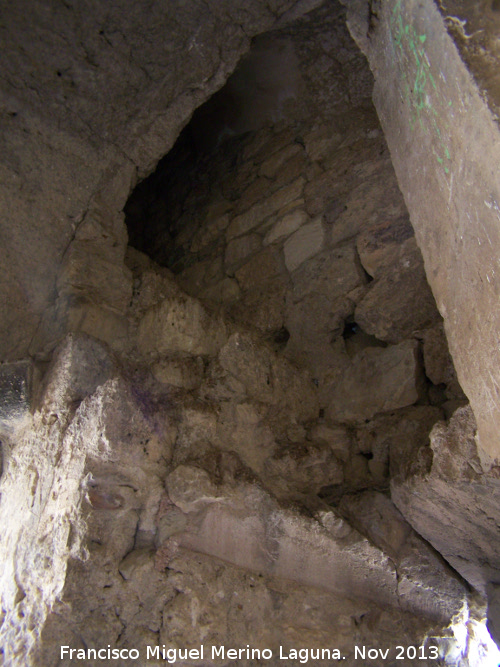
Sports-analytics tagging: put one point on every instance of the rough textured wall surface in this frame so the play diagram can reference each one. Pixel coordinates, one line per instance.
(214, 465)
(93, 95)
(474, 27)
(445, 148)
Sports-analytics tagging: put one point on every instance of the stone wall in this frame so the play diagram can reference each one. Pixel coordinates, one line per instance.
(444, 142)
(300, 232)
(210, 456)
(105, 103)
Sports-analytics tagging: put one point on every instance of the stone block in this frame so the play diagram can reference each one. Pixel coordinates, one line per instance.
(426, 584)
(268, 378)
(134, 562)
(378, 380)
(326, 187)
(291, 170)
(375, 199)
(286, 226)
(98, 321)
(279, 160)
(258, 190)
(264, 268)
(451, 501)
(153, 286)
(184, 372)
(201, 275)
(225, 291)
(241, 430)
(263, 307)
(260, 211)
(392, 440)
(250, 364)
(180, 325)
(267, 142)
(379, 246)
(253, 532)
(79, 365)
(304, 467)
(190, 488)
(322, 141)
(209, 233)
(400, 303)
(305, 243)
(336, 437)
(95, 272)
(333, 274)
(239, 249)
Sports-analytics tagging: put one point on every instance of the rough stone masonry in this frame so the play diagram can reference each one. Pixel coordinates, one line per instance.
(231, 428)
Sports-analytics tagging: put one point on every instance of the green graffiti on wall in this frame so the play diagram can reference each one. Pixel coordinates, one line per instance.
(418, 84)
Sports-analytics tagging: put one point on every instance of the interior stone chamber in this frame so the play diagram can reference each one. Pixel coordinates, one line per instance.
(249, 336)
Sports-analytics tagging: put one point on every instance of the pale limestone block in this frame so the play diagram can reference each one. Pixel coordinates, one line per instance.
(305, 243)
(180, 325)
(286, 226)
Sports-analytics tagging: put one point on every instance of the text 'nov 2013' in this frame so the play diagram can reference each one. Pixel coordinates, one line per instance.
(302, 655)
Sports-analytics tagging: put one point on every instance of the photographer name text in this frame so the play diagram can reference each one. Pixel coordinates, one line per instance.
(302, 655)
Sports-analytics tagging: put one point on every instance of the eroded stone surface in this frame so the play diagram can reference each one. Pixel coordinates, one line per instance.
(451, 499)
(180, 325)
(377, 380)
(222, 500)
(400, 302)
(424, 580)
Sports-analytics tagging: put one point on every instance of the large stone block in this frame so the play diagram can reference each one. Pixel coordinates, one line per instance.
(239, 249)
(269, 379)
(286, 226)
(252, 531)
(379, 245)
(332, 274)
(263, 209)
(400, 302)
(96, 272)
(79, 365)
(305, 243)
(426, 585)
(378, 380)
(180, 324)
(451, 500)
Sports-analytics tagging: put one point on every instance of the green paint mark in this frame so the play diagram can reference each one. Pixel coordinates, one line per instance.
(421, 96)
